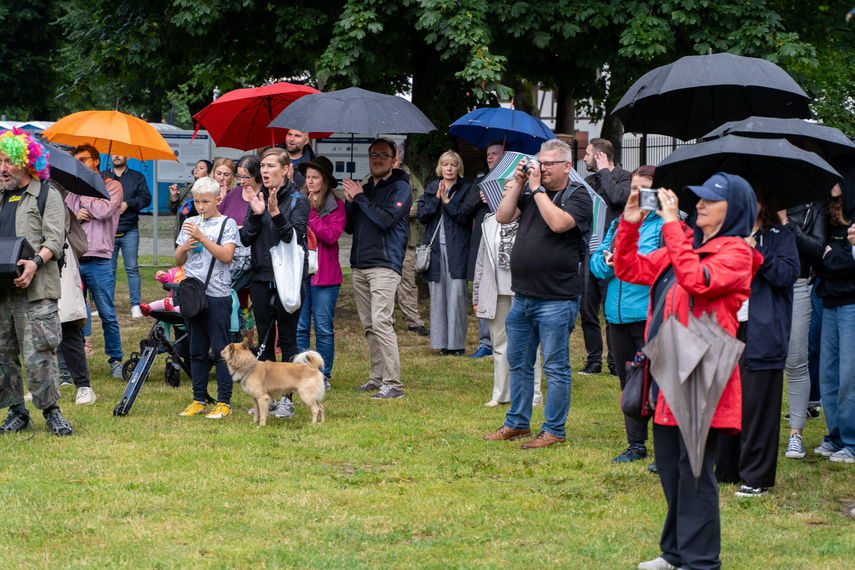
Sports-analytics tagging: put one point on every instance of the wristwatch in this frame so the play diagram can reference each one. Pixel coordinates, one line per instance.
(37, 259)
(538, 189)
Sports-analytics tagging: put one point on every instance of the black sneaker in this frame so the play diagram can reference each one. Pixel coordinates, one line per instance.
(746, 491)
(421, 330)
(58, 424)
(368, 387)
(812, 413)
(327, 386)
(592, 368)
(631, 453)
(388, 393)
(65, 379)
(15, 422)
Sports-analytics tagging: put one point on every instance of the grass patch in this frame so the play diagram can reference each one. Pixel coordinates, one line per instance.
(404, 483)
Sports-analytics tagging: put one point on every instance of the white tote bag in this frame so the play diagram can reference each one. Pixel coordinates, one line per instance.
(287, 261)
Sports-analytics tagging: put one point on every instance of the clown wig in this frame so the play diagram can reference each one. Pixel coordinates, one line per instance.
(25, 152)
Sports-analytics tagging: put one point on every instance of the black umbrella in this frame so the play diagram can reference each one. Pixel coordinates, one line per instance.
(73, 175)
(796, 176)
(696, 94)
(830, 141)
(353, 110)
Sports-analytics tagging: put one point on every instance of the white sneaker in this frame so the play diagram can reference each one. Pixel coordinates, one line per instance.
(85, 396)
(28, 397)
(492, 404)
(843, 456)
(136, 312)
(656, 564)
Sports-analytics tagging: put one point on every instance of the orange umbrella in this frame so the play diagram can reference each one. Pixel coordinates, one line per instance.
(111, 132)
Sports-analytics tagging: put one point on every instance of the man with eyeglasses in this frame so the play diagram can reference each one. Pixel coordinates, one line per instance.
(378, 218)
(99, 218)
(554, 216)
(612, 183)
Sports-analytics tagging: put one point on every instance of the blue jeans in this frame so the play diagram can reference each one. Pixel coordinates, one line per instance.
(130, 245)
(837, 375)
(814, 334)
(100, 281)
(532, 322)
(210, 332)
(319, 304)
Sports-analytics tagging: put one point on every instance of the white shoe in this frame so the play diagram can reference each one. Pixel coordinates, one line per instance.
(28, 397)
(85, 396)
(136, 312)
(492, 404)
(656, 564)
(95, 314)
(536, 403)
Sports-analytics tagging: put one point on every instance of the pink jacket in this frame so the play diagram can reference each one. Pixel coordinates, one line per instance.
(328, 226)
(101, 230)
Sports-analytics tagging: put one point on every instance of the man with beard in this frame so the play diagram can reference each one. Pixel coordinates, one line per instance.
(31, 207)
(297, 146)
(137, 197)
(378, 218)
(612, 183)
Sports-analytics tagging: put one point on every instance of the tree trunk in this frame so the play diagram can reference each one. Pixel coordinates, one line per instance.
(613, 131)
(565, 112)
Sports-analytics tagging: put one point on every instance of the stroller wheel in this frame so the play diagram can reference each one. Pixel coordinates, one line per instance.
(130, 366)
(172, 373)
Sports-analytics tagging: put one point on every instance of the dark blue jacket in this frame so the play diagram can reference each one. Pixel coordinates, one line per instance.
(379, 221)
(457, 225)
(135, 194)
(770, 306)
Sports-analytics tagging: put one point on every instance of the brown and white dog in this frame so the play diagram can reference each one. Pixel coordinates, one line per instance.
(272, 380)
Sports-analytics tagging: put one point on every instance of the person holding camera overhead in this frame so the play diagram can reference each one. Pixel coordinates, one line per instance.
(554, 215)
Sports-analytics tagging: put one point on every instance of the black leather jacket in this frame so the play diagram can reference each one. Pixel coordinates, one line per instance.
(809, 223)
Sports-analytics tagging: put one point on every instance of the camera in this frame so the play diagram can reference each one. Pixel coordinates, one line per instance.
(533, 163)
(648, 199)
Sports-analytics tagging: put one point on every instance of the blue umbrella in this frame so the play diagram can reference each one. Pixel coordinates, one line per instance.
(520, 131)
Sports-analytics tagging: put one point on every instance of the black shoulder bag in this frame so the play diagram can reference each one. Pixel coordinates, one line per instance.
(192, 297)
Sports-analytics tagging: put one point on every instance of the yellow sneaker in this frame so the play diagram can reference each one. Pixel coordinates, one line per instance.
(220, 411)
(194, 408)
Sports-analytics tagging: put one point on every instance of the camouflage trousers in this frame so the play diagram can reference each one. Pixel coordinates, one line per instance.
(32, 331)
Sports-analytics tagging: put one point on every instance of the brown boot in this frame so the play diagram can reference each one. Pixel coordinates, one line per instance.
(506, 433)
(542, 439)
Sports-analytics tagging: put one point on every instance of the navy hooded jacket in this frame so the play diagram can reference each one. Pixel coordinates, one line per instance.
(770, 306)
(379, 221)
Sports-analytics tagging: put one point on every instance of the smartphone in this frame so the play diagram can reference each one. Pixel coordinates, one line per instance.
(648, 199)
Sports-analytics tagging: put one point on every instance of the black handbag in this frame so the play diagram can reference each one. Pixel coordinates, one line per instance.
(192, 297)
(12, 250)
(634, 400)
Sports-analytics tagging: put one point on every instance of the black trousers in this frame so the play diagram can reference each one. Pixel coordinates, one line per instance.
(691, 536)
(72, 356)
(751, 456)
(624, 341)
(263, 293)
(593, 298)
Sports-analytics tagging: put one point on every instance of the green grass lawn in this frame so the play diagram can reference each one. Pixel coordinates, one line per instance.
(402, 483)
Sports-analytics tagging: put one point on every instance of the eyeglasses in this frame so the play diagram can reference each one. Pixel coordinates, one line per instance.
(551, 163)
(239, 177)
(381, 156)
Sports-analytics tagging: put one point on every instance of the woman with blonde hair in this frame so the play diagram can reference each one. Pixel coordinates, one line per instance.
(224, 173)
(449, 232)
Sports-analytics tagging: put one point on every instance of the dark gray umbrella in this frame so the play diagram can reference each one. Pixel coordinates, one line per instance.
(353, 110)
(796, 176)
(696, 94)
(831, 142)
(73, 175)
(692, 366)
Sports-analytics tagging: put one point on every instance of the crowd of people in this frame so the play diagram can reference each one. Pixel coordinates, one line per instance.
(781, 281)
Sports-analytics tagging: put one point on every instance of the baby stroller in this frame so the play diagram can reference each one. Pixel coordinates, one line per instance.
(138, 367)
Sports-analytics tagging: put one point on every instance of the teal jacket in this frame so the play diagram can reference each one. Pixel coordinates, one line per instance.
(626, 302)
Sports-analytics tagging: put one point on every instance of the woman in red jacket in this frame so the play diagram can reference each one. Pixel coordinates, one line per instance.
(712, 265)
(326, 220)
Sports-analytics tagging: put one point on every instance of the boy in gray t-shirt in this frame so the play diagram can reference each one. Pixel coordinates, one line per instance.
(198, 246)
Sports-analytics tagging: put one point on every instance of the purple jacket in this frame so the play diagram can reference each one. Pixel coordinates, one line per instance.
(101, 229)
(327, 226)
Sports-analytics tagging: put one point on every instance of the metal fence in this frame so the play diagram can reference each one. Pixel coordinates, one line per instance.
(651, 149)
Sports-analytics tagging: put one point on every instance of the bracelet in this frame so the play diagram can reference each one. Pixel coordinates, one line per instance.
(37, 259)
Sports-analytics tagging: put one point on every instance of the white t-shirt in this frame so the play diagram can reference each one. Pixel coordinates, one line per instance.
(199, 262)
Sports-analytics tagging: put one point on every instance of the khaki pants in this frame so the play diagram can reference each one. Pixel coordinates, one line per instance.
(374, 290)
(501, 373)
(408, 293)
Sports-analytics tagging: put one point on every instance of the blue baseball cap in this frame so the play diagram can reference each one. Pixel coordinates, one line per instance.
(718, 186)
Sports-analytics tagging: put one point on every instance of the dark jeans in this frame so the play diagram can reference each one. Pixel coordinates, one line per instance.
(814, 336)
(263, 293)
(592, 299)
(751, 456)
(691, 536)
(72, 356)
(210, 332)
(625, 341)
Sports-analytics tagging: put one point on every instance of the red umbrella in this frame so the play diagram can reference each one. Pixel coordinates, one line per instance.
(239, 118)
